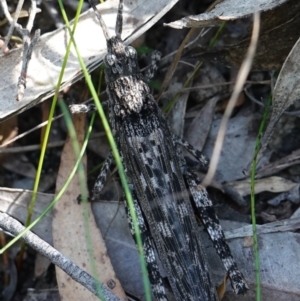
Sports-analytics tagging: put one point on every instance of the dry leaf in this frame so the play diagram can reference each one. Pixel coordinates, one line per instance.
(286, 92)
(198, 130)
(69, 230)
(272, 184)
(42, 295)
(278, 165)
(8, 130)
(226, 10)
(293, 195)
(280, 21)
(221, 289)
(245, 232)
(112, 220)
(20, 165)
(238, 146)
(177, 113)
(268, 293)
(15, 203)
(45, 64)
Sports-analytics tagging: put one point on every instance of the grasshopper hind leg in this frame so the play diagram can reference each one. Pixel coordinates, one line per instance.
(211, 223)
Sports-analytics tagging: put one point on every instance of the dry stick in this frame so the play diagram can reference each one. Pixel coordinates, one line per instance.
(28, 132)
(273, 227)
(275, 167)
(187, 46)
(27, 49)
(33, 147)
(12, 226)
(32, 13)
(252, 98)
(30, 148)
(209, 86)
(174, 64)
(12, 21)
(241, 78)
(177, 57)
(36, 128)
(25, 33)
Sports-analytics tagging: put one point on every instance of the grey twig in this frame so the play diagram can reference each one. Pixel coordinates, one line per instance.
(32, 13)
(25, 34)
(261, 104)
(12, 226)
(12, 21)
(274, 227)
(27, 51)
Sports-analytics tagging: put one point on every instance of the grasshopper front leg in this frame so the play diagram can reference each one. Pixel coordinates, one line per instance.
(101, 179)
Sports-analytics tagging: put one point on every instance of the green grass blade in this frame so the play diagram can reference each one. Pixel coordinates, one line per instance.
(253, 217)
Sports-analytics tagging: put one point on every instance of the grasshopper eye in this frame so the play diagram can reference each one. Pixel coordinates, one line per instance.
(110, 59)
(130, 51)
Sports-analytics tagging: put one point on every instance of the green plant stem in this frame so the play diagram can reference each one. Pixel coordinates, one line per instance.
(253, 216)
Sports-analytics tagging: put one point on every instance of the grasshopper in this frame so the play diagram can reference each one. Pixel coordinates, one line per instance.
(161, 184)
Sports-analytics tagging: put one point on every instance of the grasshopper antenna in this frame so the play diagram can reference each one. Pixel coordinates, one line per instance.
(101, 21)
(119, 22)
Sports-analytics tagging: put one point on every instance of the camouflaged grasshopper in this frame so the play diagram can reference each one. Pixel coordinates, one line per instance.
(161, 185)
